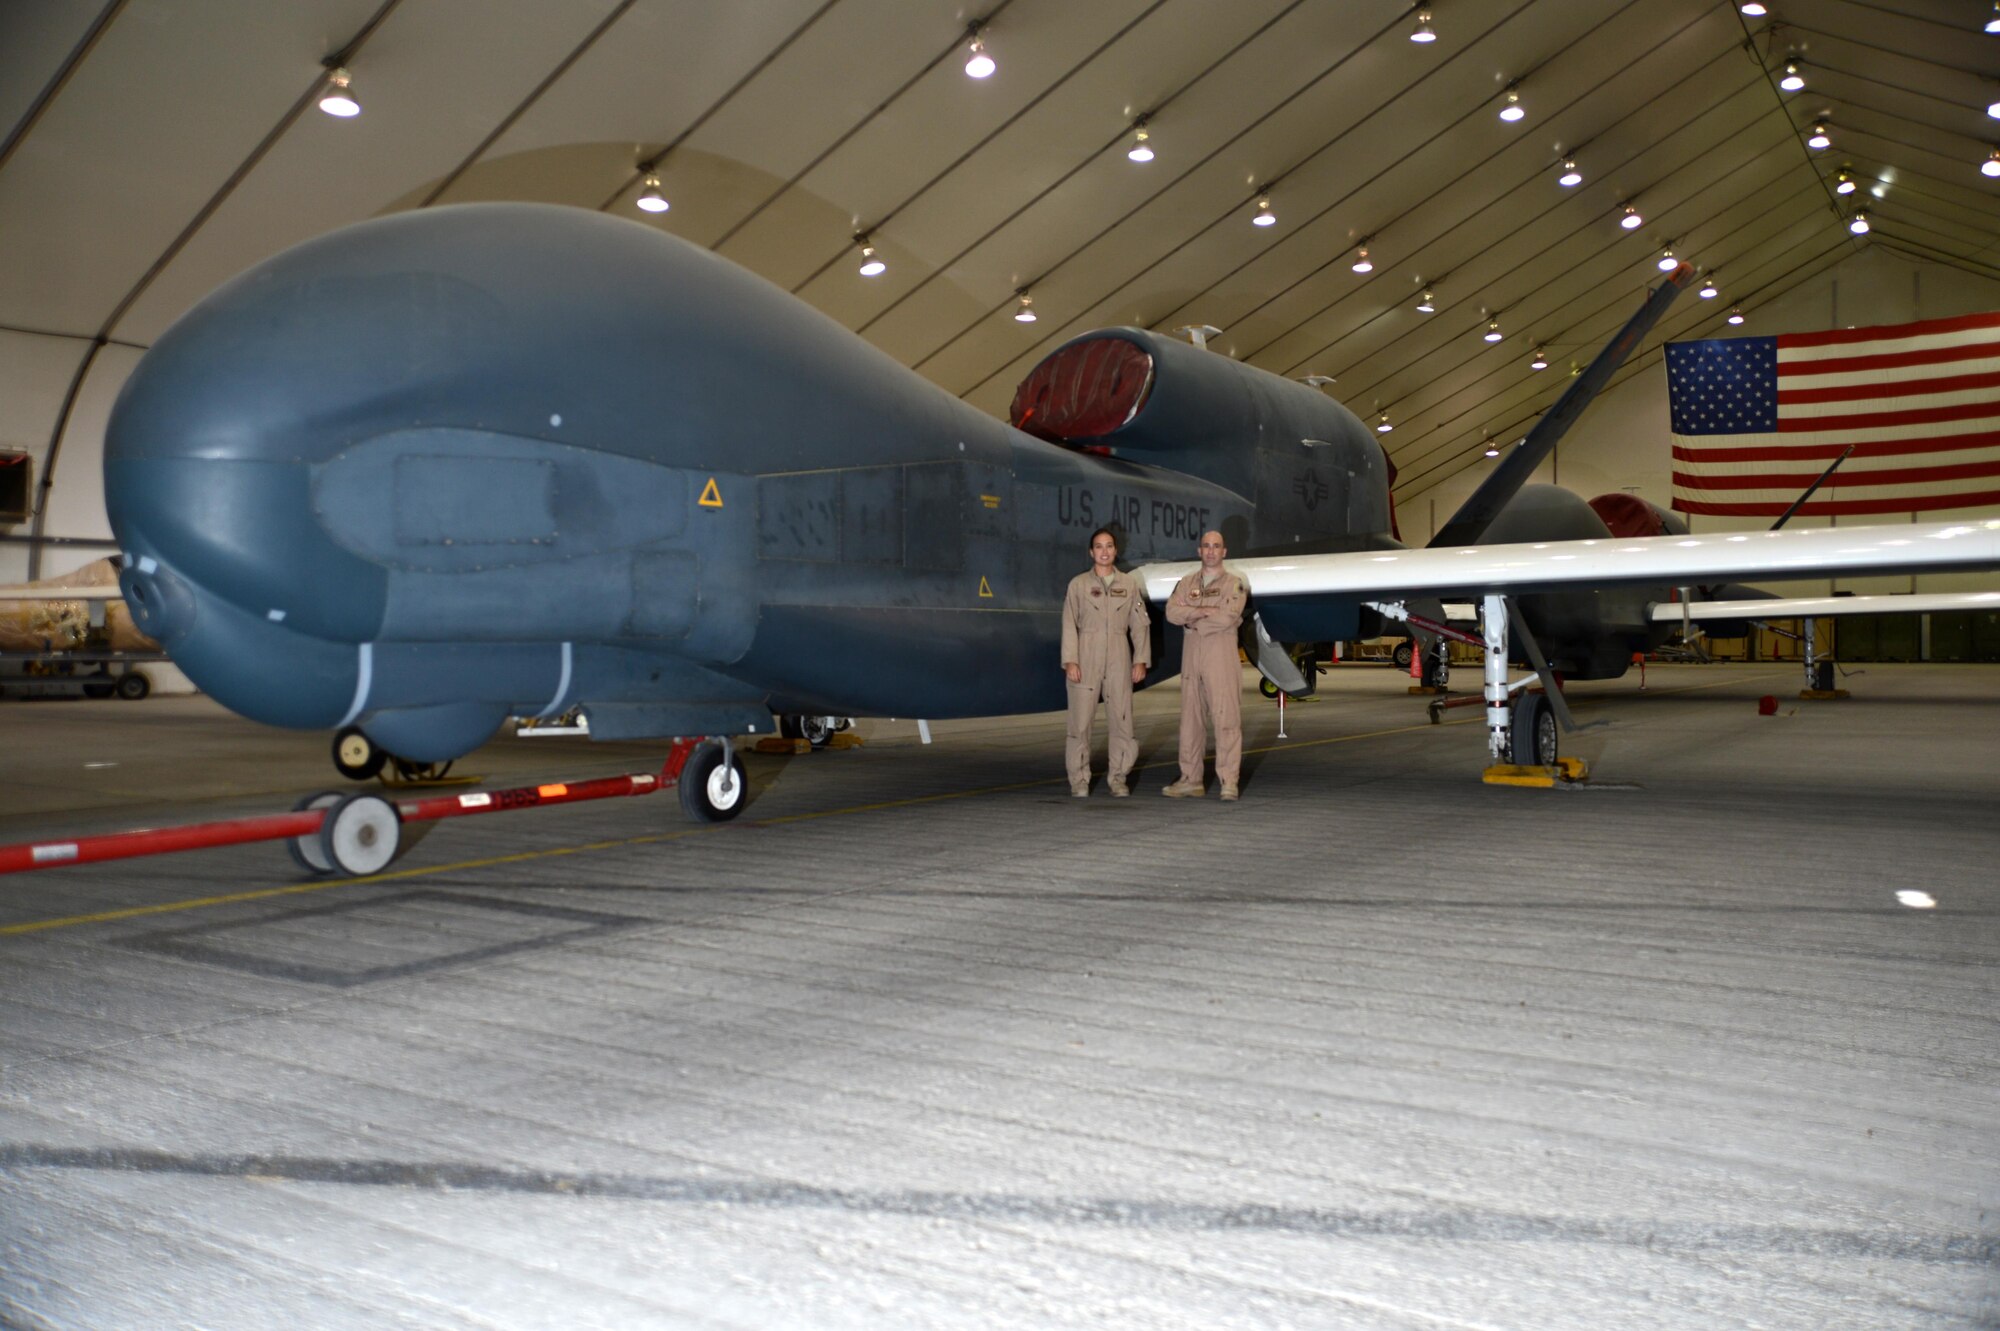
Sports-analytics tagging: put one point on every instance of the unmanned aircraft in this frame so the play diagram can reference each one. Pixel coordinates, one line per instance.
(458, 464)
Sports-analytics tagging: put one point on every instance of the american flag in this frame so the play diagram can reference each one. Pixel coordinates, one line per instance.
(1757, 419)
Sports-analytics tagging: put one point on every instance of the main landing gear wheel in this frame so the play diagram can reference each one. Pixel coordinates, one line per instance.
(361, 835)
(1533, 732)
(1267, 688)
(357, 757)
(817, 731)
(133, 685)
(306, 851)
(712, 786)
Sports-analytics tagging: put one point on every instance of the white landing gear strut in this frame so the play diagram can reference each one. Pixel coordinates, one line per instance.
(1521, 727)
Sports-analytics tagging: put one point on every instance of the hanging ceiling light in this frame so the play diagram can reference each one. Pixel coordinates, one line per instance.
(1991, 166)
(1631, 220)
(981, 64)
(1492, 449)
(1736, 315)
(650, 199)
(871, 263)
(1493, 329)
(1844, 182)
(1993, 109)
(1540, 361)
(1858, 223)
(1667, 260)
(1362, 263)
(1993, 23)
(1709, 289)
(1511, 110)
(1025, 315)
(1264, 217)
(1423, 35)
(1819, 138)
(1382, 426)
(1570, 177)
(1753, 9)
(1793, 80)
(1427, 303)
(1139, 151)
(339, 99)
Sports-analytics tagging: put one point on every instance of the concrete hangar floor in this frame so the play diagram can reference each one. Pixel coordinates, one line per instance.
(922, 1041)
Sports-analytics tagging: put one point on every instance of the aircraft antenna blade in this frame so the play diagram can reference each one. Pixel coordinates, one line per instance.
(1800, 502)
(1476, 514)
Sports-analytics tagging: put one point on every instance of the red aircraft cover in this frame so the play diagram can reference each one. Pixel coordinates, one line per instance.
(1084, 391)
(1628, 516)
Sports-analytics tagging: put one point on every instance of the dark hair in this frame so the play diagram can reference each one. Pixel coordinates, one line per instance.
(1103, 531)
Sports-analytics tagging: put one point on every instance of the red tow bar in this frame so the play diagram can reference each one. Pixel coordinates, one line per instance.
(307, 823)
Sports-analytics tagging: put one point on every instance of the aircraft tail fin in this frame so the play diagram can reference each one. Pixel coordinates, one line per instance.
(1469, 524)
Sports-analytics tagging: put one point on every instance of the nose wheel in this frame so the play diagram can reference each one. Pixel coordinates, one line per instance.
(712, 785)
(357, 757)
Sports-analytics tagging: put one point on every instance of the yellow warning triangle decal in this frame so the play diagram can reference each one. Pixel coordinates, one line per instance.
(710, 496)
(985, 588)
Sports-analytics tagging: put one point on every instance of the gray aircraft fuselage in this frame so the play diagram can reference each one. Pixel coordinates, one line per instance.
(432, 470)
(452, 465)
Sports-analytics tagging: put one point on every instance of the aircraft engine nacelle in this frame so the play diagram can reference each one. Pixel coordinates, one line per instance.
(1313, 467)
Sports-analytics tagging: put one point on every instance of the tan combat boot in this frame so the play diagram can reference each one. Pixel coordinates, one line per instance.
(1229, 790)
(1181, 790)
(1119, 790)
(1080, 789)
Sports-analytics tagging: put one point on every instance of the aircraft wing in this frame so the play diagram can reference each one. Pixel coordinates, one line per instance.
(1673, 561)
(1819, 607)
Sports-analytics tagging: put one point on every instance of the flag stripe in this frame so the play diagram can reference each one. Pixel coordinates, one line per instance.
(1886, 387)
(1982, 349)
(1840, 337)
(1840, 480)
(1816, 451)
(1815, 507)
(1863, 420)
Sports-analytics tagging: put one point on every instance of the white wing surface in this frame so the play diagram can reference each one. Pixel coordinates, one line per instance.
(1675, 561)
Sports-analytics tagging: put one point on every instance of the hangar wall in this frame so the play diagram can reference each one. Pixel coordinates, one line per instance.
(1623, 441)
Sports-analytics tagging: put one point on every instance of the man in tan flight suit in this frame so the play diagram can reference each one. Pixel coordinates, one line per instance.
(1208, 604)
(1107, 647)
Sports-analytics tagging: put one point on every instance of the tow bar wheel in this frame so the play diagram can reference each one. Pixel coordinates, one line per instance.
(712, 786)
(360, 835)
(306, 851)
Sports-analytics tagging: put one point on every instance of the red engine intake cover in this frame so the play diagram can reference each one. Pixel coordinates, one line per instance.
(1084, 391)
(1629, 516)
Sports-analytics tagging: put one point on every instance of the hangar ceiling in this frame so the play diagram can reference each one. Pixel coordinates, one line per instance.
(153, 148)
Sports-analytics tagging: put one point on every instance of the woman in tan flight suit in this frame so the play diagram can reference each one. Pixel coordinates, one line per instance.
(1107, 647)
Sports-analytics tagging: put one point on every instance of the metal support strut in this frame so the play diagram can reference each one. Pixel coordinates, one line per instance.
(1499, 722)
